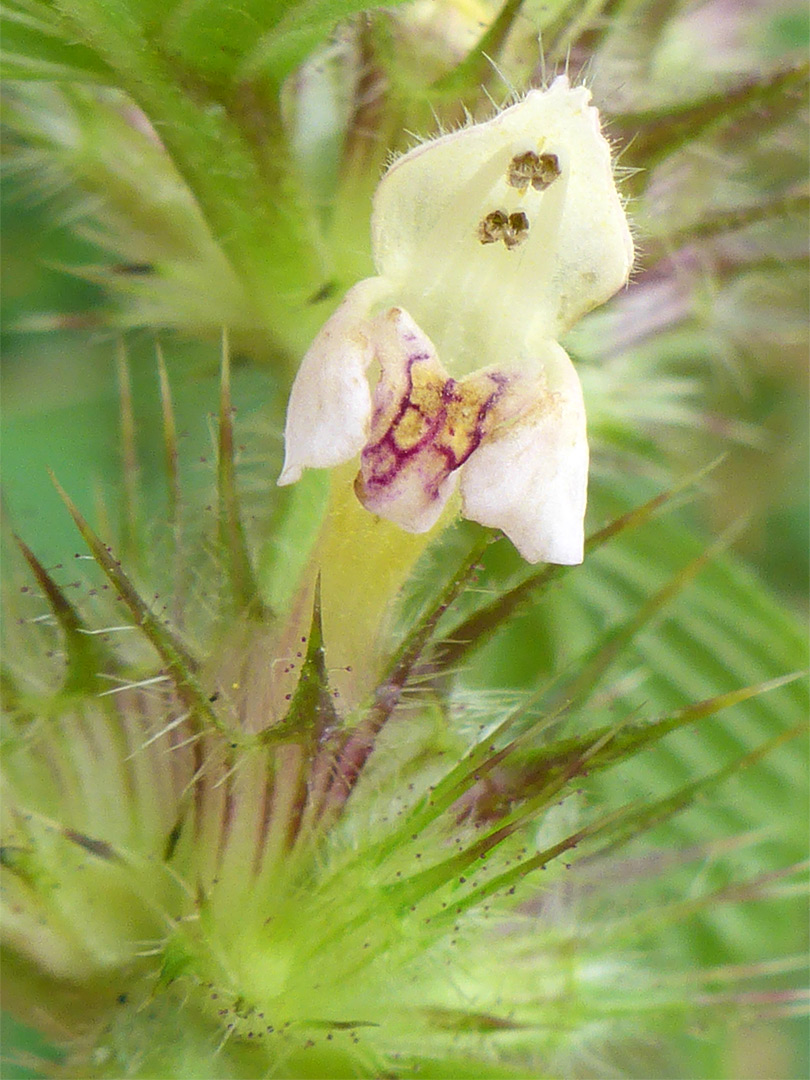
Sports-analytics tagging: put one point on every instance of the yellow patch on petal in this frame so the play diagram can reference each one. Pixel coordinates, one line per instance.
(424, 426)
(411, 428)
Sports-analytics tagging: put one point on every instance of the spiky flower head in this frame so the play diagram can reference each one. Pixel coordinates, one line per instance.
(217, 863)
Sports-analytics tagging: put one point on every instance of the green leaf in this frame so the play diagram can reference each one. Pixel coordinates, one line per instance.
(465, 637)
(723, 222)
(523, 769)
(296, 31)
(181, 664)
(658, 133)
(242, 590)
(85, 656)
(477, 68)
(36, 46)
(312, 712)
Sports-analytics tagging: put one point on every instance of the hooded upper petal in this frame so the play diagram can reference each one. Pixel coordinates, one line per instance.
(542, 166)
(530, 477)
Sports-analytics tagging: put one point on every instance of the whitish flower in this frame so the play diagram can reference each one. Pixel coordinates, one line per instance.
(489, 243)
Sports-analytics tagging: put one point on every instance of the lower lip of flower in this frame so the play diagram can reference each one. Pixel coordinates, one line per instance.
(424, 427)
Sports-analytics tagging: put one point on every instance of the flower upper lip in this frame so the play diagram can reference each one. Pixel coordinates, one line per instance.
(489, 243)
(429, 205)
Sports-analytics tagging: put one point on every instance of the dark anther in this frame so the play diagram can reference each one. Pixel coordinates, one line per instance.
(539, 170)
(517, 231)
(492, 227)
(498, 225)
